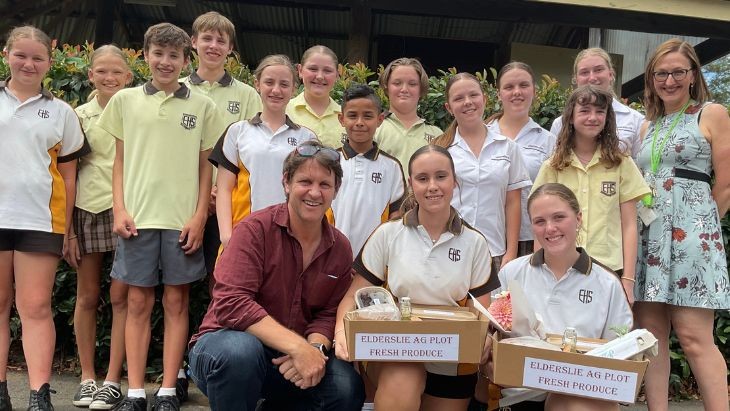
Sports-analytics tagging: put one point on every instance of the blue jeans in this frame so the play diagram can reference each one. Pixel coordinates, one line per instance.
(234, 370)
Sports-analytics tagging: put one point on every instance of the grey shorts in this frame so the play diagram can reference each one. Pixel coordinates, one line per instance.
(155, 256)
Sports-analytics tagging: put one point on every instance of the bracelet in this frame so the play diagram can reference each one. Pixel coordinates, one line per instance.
(72, 237)
(633, 280)
(339, 331)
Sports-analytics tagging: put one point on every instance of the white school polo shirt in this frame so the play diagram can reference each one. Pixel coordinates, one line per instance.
(628, 124)
(255, 154)
(589, 297)
(535, 145)
(400, 255)
(484, 182)
(37, 134)
(372, 189)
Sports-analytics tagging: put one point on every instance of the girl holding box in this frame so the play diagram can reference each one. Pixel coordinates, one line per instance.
(415, 256)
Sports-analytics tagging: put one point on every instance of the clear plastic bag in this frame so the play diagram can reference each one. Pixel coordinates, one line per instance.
(370, 296)
(380, 312)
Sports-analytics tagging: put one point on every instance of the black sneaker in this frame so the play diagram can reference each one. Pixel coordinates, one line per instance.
(166, 403)
(106, 397)
(5, 404)
(181, 389)
(131, 404)
(85, 393)
(41, 400)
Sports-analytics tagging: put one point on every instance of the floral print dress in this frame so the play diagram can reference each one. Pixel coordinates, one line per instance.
(681, 258)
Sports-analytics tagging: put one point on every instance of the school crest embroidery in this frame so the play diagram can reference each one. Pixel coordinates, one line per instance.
(428, 137)
(585, 296)
(377, 178)
(188, 121)
(454, 254)
(234, 107)
(43, 113)
(608, 188)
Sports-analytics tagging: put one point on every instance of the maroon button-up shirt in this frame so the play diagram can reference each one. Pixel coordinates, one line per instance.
(261, 273)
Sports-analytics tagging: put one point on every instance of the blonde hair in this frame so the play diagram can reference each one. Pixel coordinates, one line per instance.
(214, 21)
(106, 50)
(408, 62)
(276, 60)
(31, 33)
(319, 49)
(698, 90)
(558, 190)
(595, 52)
(447, 138)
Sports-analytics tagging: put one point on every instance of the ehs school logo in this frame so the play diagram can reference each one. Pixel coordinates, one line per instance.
(608, 188)
(43, 113)
(585, 296)
(188, 121)
(234, 107)
(454, 254)
(377, 178)
(292, 141)
(428, 137)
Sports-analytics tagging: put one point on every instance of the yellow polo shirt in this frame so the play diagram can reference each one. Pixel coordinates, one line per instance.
(236, 100)
(327, 127)
(401, 142)
(163, 136)
(94, 187)
(600, 192)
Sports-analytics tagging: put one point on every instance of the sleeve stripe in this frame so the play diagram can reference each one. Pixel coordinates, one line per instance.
(359, 268)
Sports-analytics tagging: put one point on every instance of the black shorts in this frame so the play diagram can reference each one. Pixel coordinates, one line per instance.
(450, 386)
(30, 241)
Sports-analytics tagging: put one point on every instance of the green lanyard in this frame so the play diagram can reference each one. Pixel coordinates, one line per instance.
(656, 155)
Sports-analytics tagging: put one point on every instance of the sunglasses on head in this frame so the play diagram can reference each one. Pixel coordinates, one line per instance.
(310, 151)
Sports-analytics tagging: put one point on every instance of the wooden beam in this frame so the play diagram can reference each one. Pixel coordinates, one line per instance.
(700, 9)
(542, 12)
(361, 18)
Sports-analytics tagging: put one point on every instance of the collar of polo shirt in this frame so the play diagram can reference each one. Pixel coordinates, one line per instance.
(583, 265)
(348, 152)
(256, 121)
(455, 224)
(389, 114)
(44, 92)
(183, 92)
(224, 81)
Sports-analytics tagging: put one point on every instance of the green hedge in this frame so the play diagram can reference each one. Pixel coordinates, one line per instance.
(67, 79)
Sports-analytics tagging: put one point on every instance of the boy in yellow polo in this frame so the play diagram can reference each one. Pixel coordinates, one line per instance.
(161, 184)
(213, 38)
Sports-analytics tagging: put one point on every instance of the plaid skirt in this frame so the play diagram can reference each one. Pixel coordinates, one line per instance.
(94, 231)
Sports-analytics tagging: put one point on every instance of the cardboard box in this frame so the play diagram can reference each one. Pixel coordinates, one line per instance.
(567, 373)
(423, 340)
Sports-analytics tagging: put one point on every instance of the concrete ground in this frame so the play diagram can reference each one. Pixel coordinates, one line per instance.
(65, 386)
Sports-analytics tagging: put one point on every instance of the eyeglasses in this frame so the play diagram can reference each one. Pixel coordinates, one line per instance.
(310, 151)
(677, 75)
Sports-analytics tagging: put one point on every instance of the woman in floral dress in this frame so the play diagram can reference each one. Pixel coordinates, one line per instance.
(682, 273)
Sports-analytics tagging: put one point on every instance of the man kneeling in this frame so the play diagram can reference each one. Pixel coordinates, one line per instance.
(269, 326)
